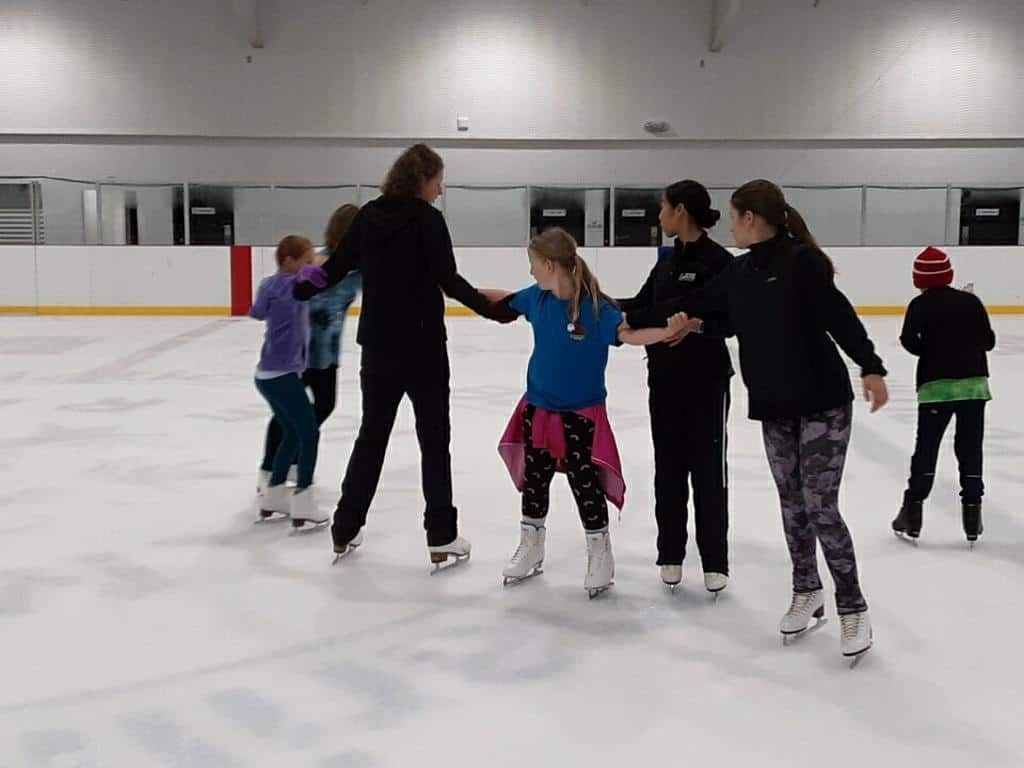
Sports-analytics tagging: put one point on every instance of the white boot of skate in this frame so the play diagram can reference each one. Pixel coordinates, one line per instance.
(805, 606)
(528, 558)
(856, 636)
(600, 563)
(671, 575)
(274, 503)
(715, 582)
(262, 482)
(305, 514)
(457, 549)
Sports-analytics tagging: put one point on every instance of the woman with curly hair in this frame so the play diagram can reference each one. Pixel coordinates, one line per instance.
(401, 245)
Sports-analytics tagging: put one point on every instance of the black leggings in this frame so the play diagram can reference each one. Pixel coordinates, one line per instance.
(323, 383)
(579, 468)
(932, 420)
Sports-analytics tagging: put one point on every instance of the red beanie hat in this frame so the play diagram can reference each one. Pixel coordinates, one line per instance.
(932, 269)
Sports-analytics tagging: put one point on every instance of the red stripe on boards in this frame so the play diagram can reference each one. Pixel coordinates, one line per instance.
(241, 279)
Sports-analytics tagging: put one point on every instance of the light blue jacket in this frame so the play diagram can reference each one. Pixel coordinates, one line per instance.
(327, 312)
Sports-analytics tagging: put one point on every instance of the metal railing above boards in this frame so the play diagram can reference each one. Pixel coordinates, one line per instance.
(61, 211)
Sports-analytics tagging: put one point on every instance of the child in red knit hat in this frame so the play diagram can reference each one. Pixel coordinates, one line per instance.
(949, 331)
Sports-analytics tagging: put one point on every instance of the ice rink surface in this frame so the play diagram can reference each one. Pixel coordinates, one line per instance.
(145, 621)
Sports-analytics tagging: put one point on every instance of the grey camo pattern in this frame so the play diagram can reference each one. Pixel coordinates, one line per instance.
(807, 456)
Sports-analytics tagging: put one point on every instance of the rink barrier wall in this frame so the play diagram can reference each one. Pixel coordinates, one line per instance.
(221, 280)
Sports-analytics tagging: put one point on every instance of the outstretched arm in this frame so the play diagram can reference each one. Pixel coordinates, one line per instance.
(678, 325)
(315, 278)
(835, 313)
(711, 299)
(441, 261)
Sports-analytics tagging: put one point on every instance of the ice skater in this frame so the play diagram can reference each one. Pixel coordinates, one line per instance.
(689, 394)
(282, 361)
(561, 424)
(401, 245)
(327, 312)
(788, 314)
(950, 333)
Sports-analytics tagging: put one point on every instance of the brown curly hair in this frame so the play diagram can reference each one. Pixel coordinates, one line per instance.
(418, 164)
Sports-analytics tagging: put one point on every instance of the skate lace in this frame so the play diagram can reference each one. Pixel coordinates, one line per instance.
(851, 625)
(801, 602)
(525, 543)
(596, 557)
(520, 553)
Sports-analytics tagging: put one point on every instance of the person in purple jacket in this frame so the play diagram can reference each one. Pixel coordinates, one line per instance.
(279, 380)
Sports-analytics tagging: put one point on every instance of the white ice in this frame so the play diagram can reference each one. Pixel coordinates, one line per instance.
(144, 621)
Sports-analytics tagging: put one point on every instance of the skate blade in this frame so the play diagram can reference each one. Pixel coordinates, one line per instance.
(672, 587)
(788, 638)
(594, 592)
(902, 536)
(854, 658)
(511, 581)
(302, 527)
(274, 517)
(716, 593)
(444, 561)
(349, 549)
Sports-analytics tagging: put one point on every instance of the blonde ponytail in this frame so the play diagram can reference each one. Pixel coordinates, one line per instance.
(557, 245)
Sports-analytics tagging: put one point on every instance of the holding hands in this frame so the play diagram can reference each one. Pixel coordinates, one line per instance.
(679, 325)
(312, 273)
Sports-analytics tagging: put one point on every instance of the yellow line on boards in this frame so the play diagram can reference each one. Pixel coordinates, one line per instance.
(880, 310)
(993, 309)
(1004, 309)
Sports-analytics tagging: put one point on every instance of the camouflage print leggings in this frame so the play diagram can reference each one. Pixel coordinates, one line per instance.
(579, 468)
(807, 457)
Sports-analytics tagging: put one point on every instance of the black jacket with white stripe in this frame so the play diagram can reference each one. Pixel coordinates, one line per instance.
(701, 360)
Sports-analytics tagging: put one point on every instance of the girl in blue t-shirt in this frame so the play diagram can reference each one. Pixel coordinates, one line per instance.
(561, 424)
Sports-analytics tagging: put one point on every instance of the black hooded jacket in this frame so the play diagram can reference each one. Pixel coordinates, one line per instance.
(404, 251)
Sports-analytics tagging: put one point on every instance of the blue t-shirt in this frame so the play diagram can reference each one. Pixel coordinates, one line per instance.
(566, 374)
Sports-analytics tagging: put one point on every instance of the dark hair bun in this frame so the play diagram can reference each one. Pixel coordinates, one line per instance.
(709, 218)
(694, 197)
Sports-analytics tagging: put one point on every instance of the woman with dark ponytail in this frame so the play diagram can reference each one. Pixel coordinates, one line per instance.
(782, 301)
(689, 394)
